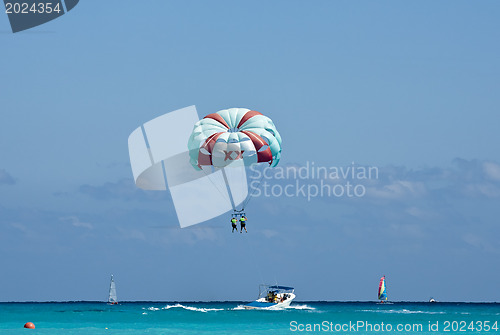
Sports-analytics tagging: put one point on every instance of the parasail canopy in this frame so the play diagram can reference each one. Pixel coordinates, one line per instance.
(235, 135)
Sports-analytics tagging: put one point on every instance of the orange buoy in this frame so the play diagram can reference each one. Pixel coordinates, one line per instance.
(29, 325)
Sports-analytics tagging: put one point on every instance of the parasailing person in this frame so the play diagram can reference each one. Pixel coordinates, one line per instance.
(233, 224)
(243, 222)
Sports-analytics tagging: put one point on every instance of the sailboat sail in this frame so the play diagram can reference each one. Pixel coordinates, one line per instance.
(382, 294)
(112, 292)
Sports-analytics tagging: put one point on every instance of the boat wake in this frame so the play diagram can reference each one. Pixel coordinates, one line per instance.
(194, 309)
(301, 307)
(189, 308)
(239, 308)
(400, 311)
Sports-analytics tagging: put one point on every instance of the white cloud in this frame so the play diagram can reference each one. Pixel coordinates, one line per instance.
(492, 170)
(205, 234)
(131, 234)
(479, 242)
(397, 190)
(123, 189)
(483, 189)
(268, 233)
(20, 227)
(75, 222)
(469, 178)
(416, 212)
(412, 230)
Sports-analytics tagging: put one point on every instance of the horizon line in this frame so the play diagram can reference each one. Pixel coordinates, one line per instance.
(244, 301)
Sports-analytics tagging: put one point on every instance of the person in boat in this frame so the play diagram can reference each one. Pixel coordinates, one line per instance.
(269, 296)
(233, 224)
(243, 222)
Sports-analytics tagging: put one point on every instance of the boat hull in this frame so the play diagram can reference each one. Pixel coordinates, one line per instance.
(263, 304)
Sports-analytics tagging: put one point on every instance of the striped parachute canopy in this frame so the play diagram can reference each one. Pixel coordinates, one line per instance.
(235, 135)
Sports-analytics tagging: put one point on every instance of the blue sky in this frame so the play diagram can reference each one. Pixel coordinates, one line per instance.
(408, 87)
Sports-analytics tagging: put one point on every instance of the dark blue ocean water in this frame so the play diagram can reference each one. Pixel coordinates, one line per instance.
(230, 318)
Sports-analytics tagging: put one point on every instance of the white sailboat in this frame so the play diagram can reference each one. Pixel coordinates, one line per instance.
(112, 299)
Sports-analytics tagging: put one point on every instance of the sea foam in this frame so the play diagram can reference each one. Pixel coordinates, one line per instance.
(194, 309)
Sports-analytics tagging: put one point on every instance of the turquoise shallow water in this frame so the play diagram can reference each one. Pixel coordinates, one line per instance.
(229, 318)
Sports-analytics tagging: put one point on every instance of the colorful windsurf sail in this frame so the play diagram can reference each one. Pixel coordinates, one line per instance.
(382, 294)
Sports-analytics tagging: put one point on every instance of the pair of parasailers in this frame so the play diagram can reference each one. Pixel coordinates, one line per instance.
(242, 220)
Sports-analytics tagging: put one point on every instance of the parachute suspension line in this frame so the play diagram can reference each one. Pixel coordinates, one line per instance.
(250, 196)
(216, 187)
(252, 251)
(228, 190)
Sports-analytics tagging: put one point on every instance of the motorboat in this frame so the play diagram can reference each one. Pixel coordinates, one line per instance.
(272, 297)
